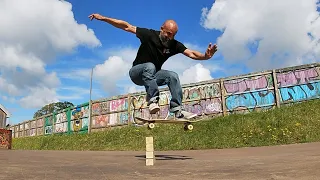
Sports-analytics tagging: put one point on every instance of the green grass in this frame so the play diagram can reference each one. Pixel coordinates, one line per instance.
(298, 123)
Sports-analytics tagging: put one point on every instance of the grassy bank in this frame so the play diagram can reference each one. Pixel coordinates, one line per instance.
(295, 124)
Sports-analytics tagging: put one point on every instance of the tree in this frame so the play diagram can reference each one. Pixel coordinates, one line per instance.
(53, 107)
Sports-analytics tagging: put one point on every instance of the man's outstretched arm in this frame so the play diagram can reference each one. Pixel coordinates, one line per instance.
(196, 55)
(115, 22)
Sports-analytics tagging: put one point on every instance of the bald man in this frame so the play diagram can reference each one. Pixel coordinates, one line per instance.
(156, 47)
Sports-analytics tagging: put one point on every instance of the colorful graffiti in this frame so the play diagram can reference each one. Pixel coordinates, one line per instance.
(79, 118)
(40, 128)
(201, 92)
(247, 84)
(99, 108)
(5, 139)
(297, 77)
(48, 125)
(248, 94)
(61, 123)
(299, 85)
(250, 101)
(240, 94)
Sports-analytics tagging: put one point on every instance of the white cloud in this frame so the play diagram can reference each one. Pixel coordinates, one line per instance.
(34, 32)
(38, 97)
(195, 74)
(285, 32)
(113, 74)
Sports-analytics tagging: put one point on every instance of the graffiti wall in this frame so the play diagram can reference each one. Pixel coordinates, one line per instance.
(246, 94)
(5, 139)
(110, 112)
(79, 121)
(203, 100)
(238, 94)
(299, 84)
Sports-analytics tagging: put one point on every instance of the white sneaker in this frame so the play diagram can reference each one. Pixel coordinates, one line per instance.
(154, 108)
(185, 114)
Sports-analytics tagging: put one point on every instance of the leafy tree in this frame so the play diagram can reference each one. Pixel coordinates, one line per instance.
(53, 107)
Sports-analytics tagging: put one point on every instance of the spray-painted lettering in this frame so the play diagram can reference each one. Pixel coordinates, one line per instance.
(243, 85)
(250, 100)
(300, 92)
(297, 77)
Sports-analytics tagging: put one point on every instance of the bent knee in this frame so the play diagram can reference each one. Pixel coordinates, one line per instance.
(173, 75)
(149, 67)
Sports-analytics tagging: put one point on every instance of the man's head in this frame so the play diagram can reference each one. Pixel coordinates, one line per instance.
(167, 32)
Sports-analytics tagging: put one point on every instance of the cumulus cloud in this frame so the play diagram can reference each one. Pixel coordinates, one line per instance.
(266, 34)
(112, 75)
(113, 70)
(195, 74)
(33, 33)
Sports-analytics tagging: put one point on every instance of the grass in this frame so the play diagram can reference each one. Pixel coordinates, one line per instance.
(297, 123)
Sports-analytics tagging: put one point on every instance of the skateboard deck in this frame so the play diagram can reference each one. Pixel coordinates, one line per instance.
(151, 122)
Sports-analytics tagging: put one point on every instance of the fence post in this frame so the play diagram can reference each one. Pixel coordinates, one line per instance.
(90, 116)
(129, 109)
(276, 89)
(223, 101)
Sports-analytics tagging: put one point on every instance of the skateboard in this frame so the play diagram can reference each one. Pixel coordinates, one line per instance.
(151, 122)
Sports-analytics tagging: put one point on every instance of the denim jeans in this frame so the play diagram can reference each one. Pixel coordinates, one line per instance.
(145, 75)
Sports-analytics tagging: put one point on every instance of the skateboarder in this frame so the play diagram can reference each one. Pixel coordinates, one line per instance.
(156, 47)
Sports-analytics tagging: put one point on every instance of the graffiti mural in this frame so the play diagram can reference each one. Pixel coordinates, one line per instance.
(79, 118)
(204, 107)
(249, 94)
(48, 126)
(202, 100)
(5, 139)
(139, 106)
(297, 77)
(250, 101)
(21, 130)
(33, 128)
(61, 123)
(105, 107)
(248, 84)
(298, 85)
(201, 92)
(27, 129)
(40, 128)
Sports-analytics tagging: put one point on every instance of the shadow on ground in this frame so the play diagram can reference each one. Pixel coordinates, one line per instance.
(165, 157)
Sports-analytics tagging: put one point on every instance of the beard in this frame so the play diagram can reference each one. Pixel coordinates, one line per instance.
(166, 42)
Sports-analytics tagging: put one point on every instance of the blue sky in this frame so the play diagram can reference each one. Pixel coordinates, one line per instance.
(239, 54)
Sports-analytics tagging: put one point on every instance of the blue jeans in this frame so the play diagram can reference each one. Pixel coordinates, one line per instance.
(145, 75)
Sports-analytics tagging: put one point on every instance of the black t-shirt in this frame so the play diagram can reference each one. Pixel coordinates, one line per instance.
(151, 49)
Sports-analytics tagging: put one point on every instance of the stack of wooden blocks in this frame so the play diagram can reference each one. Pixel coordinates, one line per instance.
(150, 157)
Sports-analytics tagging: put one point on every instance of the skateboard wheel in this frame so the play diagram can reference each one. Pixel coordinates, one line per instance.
(190, 127)
(151, 125)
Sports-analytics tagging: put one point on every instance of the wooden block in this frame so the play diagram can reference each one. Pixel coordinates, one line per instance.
(149, 154)
(149, 147)
(149, 162)
(149, 140)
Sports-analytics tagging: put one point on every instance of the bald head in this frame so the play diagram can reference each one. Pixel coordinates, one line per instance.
(168, 30)
(170, 25)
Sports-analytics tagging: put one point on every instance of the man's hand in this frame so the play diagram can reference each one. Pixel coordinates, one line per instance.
(95, 16)
(210, 51)
(199, 56)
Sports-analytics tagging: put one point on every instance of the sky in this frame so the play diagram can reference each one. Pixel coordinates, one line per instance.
(48, 48)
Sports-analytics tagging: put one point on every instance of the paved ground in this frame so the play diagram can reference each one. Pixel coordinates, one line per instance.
(300, 161)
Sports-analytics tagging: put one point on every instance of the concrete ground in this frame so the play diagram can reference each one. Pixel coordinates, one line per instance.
(299, 161)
